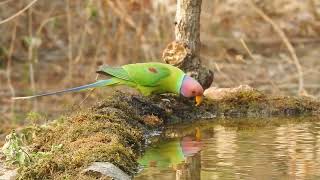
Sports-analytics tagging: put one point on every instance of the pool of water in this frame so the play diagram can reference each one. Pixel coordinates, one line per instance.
(236, 150)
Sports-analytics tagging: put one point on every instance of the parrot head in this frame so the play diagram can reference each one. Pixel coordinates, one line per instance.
(191, 88)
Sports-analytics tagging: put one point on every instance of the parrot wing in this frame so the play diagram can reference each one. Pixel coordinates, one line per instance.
(117, 72)
(147, 74)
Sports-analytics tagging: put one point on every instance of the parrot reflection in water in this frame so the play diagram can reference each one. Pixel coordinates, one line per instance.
(148, 78)
(170, 154)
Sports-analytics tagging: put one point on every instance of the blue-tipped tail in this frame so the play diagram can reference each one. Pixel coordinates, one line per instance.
(99, 83)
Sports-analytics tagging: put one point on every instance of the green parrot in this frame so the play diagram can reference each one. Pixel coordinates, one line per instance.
(171, 153)
(148, 78)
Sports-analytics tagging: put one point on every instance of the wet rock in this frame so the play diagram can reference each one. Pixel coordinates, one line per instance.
(215, 93)
(7, 174)
(244, 101)
(107, 169)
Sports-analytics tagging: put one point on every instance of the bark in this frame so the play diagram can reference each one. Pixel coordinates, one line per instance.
(184, 52)
(187, 24)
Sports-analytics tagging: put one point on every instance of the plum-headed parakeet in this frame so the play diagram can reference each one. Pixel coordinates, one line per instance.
(171, 153)
(148, 78)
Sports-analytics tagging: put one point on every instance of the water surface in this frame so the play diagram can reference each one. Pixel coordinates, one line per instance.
(238, 149)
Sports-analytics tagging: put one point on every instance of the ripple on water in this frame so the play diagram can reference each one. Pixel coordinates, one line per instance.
(287, 151)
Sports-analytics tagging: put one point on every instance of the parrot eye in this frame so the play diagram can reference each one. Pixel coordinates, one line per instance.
(193, 92)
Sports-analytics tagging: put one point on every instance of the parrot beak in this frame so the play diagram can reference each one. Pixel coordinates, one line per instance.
(199, 100)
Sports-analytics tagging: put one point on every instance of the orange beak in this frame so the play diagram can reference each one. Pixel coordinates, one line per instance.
(199, 100)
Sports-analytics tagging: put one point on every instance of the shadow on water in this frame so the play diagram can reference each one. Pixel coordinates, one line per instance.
(277, 148)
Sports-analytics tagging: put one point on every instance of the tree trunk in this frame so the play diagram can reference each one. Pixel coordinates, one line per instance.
(190, 169)
(184, 52)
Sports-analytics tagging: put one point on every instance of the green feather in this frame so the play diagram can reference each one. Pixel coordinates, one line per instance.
(147, 74)
(117, 72)
(148, 78)
(100, 83)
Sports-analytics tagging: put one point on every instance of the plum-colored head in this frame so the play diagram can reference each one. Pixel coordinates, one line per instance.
(191, 88)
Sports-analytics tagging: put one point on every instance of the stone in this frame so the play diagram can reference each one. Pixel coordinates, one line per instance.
(7, 174)
(107, 169)
(215, 93)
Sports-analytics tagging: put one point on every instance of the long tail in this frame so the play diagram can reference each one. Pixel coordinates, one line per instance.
(99, 83)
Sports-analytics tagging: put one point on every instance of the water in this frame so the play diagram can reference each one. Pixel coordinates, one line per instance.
(236, 150)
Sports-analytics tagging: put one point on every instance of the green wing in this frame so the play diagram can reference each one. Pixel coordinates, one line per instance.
(147, 74)
(144, 74)
(117, 72)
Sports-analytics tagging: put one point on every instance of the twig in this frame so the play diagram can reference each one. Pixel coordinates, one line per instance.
(30, 59)
(70, 41)
(123, 15)
(81, 43)
(8, 72)
(243, 43)
(87, 96)
(18, 13)
(91, 91)
(285, 41)
(4, 2)
(45, 22)
(263, 41)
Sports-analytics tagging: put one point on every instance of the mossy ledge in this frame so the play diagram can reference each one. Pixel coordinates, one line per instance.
(116, 130)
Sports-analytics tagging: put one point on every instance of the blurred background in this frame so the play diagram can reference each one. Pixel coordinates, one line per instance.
(59, 44)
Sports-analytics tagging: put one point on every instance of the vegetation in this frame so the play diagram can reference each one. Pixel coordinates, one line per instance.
(108, 132)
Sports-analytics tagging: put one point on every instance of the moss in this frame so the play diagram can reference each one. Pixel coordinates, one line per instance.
(114, 130)
(99, 134)
(238, 103)
(256, 104)
(5, 128)
(293, 105)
